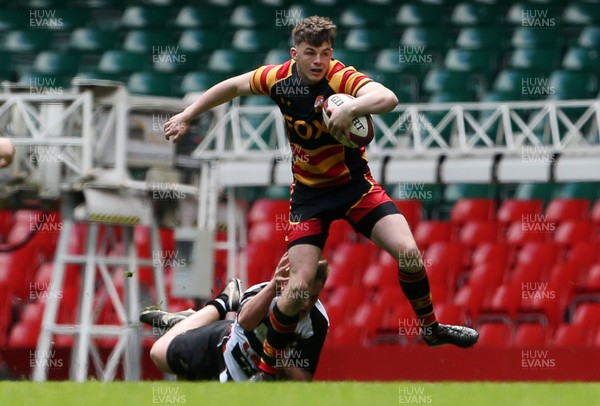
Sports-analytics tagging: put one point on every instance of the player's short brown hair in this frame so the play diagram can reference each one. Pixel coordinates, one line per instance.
(322, 271)
(314, 30)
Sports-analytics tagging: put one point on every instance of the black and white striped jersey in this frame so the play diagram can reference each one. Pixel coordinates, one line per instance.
(243, 350)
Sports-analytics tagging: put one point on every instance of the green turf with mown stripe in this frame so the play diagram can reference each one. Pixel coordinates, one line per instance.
(305, 394)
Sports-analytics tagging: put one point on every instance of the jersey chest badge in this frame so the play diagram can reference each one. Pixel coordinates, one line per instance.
(319, 101)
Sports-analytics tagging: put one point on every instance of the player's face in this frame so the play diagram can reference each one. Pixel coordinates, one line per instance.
(313, 296)
(312, 61)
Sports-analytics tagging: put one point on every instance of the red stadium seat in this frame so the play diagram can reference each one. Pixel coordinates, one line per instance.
(587, 315)
(526, 274)
(591, 283)
(269, 232)
(503, 304)
(497, 253)
(531, 335)
(497, 335)
(595, 218)
(560, 210)
(486, 277)
(449, 313)
(399, 314)
(440, 292)
(412, 211)
(446, 252)
(429, 232)
(543, 254)
(516, 210)
(377, 276)
(471, 300)
(520, 233)
(24, 335)
(349, 296)
(569, 336)
(271, 210)
(368, 317)
(6, 223)
(346, 335)
(350, 262)
(584, 254)
(548, 301)
(569, 233)
(438, 274)
(389, 295)
(262, 260)
(474, 233)
(465, 210)
(340, 232)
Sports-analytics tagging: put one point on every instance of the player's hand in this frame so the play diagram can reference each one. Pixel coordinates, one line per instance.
(282, 273)
(177, 127)
(7, 152)
(340, 119)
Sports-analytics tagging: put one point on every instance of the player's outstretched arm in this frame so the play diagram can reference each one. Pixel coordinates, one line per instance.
(254, 310)
(220, 93)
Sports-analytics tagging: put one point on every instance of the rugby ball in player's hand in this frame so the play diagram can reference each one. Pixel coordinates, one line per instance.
(361, 129)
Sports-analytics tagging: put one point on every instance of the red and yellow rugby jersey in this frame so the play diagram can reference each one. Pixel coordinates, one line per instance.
(319, 159)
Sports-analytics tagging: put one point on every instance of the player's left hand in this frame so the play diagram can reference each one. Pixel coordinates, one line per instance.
(340, 119)
(7, 152)
(177, 127)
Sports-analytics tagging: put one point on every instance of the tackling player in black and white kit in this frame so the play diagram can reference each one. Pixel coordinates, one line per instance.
(243, 349)
(203, 345)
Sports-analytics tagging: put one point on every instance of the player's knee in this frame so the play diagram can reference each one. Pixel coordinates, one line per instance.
(296, 292)
(158, 354)
(409, 259)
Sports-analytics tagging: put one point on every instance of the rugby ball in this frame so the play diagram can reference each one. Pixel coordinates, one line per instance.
(361, 129)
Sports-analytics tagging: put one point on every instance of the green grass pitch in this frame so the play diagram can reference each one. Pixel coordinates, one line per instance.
(317, 393)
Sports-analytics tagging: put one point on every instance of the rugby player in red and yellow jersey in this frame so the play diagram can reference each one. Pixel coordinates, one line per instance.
(331, 181)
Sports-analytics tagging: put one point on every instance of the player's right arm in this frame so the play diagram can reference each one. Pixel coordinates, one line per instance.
(220, 93)
(253, 312)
